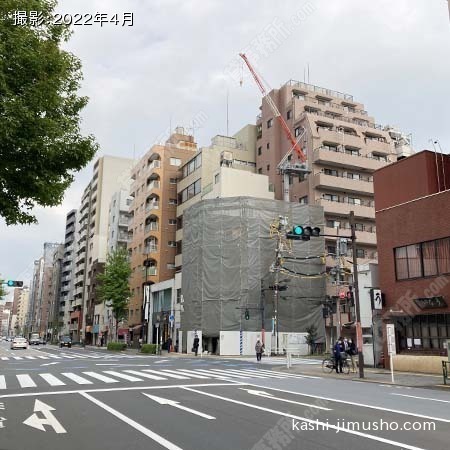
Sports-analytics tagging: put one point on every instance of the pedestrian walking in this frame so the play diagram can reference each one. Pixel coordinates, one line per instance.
(169, 344)
(196, 345)
(258, 350)
(102, 341)
(338, 350)
(352, 351)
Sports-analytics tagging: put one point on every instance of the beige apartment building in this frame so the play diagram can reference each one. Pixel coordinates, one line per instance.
(109, 174)
(344, 146)
(22, 309)
(153, 221)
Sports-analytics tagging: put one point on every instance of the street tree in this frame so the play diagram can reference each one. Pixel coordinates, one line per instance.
(2, 289)
(41, 144)
(113, 286)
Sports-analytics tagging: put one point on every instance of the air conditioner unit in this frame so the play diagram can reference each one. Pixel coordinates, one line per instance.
(226, 158)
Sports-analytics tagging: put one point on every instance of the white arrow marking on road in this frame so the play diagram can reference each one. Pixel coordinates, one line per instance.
(50, 364)
(35, 422)
(165, 401)
(268, 395)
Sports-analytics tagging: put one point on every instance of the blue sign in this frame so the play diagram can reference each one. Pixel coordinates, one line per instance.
(171, 318)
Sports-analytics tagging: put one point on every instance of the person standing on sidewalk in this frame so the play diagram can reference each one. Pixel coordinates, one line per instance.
(338, 350)
(352, 352)
(195, 345)
(258, 350)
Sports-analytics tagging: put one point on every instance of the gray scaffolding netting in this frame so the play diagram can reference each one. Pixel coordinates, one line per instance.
(227, 254)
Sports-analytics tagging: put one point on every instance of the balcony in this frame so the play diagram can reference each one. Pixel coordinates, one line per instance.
(344, 208)
(150, 249)
(124, 221)
(123, 237)
(179, 235)
(152, 226)
(340, 138)
(341, 183)
(153, 185)
(156, 164)
(70, 229)
(152, 271)
(78, 290)
(151, 206)
(338, 158)
(178, 260)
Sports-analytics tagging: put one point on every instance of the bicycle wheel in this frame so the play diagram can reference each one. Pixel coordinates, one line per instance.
(345, 367)
(327, 365)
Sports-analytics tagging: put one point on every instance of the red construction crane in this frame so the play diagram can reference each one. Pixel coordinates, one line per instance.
(276, 112)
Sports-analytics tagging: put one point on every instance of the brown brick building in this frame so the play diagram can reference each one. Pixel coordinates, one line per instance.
(412, 201)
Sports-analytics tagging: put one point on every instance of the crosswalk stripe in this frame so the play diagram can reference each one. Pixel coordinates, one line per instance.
(264, 374)
(101, 377)
(30, 357)
(5, 358)
(68, 356)
(76, 378)
(281, 374)
(122, 375)
(192, 374)
(146, 375)
(25, 381)
(227, 374)
(17, 357)
(210, 374)
(42, 357)
(51, 379)
(2, 382)
(249, 373)
(169, 373)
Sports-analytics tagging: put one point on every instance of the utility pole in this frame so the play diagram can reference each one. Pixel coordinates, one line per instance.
(338, 284)
(356, 296)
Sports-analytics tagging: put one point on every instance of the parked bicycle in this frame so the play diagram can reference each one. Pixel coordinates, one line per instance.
(329, 364)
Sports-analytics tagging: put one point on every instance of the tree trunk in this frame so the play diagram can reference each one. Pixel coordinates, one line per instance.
(117, 330)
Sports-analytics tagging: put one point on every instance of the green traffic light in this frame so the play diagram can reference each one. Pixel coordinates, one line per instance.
(298, 230)
(10, 282)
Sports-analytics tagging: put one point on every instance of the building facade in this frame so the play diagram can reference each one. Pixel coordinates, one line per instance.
(22, 310)
(412, 201)
(153, 221)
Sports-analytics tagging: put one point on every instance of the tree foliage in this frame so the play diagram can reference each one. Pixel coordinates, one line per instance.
(2, 289)
(41, 145)
(114, 289)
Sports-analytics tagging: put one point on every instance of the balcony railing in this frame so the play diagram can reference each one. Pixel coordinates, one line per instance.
(152, 270)
(124, 221)
(152, 226)
(156, 164)
(150, 249)
(124, 237)
(152, 205)
(153, 185)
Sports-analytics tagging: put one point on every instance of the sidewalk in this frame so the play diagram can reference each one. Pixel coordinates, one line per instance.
(371, 375)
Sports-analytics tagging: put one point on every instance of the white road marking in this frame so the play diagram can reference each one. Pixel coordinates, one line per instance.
(161, 361)
(30, 357)
(290, 375)
(192, 374)
(137, 426)
(260, 375)
(304, 419)
(50, 364)
(146, 375)
(169, 373)
(122, 375)
(51, 379)
(25, 381)
(68, 356)
(101, 377)
(175, 404)
(2, 382)
(268, 395)
(5, 358)
(423, 398)
(17, 357)
(42, 357)
(227, 374)
(76, 378)
(346, 402)
(247, 373)
(210, 374)
(36, 422)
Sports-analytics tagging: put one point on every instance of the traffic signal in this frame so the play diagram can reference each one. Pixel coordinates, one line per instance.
(14, 283)
(247, 314)
(300, 232)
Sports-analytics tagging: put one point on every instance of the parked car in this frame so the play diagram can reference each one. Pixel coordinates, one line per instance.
(65, 341)
(19, 343)
(35, 339)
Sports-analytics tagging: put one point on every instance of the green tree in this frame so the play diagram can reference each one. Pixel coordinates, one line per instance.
(41, 145)
(2, 289)
(114, 290)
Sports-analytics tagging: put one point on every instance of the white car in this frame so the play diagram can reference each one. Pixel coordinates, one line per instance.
(19, 343)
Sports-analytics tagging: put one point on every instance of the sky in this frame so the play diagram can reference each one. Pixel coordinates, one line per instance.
(178, 63)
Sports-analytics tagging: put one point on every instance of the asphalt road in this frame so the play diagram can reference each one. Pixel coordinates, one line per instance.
(77, 398)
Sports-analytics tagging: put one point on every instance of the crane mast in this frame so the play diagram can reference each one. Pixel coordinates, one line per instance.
(285, 167)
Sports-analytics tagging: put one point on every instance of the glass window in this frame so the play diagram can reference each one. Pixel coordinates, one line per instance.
(429, 258)
(175, 162)
(289, 114)
(443, 255)
(414, 261)
(269, 123)
(401, 263)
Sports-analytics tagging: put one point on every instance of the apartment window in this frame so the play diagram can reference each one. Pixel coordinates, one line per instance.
(332, 172)
(268, 167)
(289, 114)
(333, 224)
(173, 181)
(191, 191)
(260, 171)
(172, 221)
(360, 253)
(353, 176)
(172, 201)
(354, 201)
(131, 313)
(352, 151)
(297, 132)
(268, 146)
(331, 197)
(178, 296)
(303, 200)
(259, 150)
(359, 227)
(172, 244)
(175, 162)
(269, 123)
(331, 249)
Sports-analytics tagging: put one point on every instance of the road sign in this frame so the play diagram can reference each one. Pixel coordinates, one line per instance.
(377, 300)
(390, 332)
(171, 318)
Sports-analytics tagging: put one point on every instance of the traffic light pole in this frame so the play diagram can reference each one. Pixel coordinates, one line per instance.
(356, 297)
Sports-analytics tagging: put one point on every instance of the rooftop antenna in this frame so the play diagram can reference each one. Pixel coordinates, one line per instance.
(442, 163)
(170, 125)
(308, 74)
(228, 122)
(437, 167)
